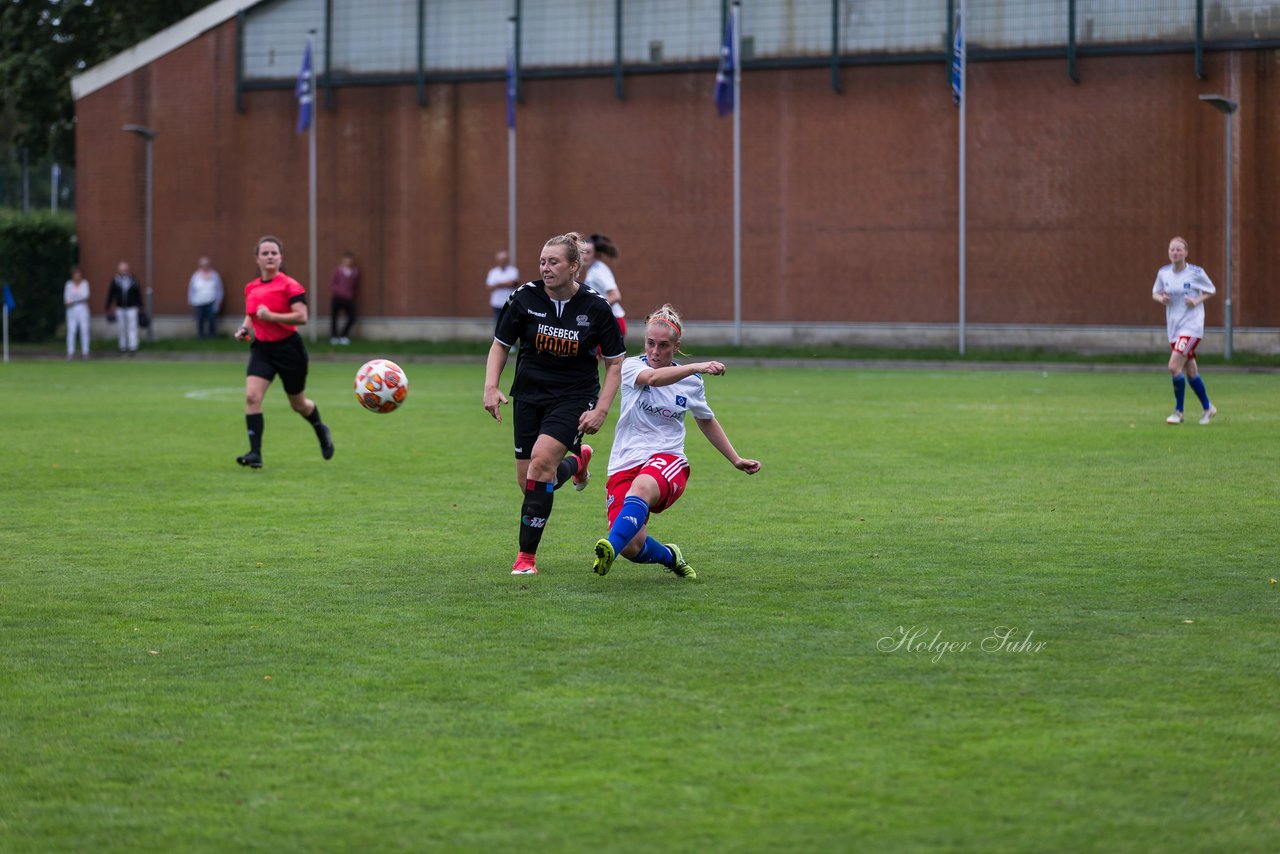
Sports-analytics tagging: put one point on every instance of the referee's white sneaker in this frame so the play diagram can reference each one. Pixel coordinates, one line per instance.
(1175, 418)
(1208, 414)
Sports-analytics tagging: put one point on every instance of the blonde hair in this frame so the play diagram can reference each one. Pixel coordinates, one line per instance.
(572, 243)
(670, 317)
(1183, 241)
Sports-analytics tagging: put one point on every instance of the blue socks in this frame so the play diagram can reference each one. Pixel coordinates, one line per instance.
(1180, 389)
(634, 513)
(1197, 385)
(655, 552)
(632, 517)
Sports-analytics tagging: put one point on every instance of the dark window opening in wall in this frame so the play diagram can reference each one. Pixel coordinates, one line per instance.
(655, 51)
(748, 45)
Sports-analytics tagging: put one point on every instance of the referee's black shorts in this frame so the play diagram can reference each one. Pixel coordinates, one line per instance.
(559, 420)
(288, 358)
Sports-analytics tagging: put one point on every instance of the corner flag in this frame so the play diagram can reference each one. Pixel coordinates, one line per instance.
(9, 302)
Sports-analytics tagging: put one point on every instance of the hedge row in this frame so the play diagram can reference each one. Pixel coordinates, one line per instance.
(36, 252)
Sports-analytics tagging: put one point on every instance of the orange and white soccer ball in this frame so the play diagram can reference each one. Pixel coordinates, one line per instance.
(381, 385)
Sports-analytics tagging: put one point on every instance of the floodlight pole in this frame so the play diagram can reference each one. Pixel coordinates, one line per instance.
(148, 135)
(1228, 107)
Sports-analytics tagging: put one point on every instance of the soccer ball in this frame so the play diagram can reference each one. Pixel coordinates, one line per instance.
(381, 385)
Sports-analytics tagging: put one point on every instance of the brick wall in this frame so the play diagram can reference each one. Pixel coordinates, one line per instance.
(849, 200)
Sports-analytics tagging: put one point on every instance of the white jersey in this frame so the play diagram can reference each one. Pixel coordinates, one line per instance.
(652, 419)
(1180, 319)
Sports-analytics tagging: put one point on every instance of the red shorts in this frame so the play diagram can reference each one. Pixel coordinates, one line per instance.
(670, 471)
(1186, 345)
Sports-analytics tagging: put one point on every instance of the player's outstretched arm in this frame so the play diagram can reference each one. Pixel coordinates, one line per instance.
(657, 377)
(711, 428)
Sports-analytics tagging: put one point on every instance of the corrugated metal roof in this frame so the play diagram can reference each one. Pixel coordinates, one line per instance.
(148, 51)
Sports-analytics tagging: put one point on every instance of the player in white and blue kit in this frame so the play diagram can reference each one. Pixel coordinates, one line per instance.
(1183, 288)
(648, 470)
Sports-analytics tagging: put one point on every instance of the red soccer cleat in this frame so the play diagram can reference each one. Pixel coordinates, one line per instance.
(524, 565)
(583, 477)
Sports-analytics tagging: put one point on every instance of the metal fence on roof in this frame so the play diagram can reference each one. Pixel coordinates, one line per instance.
(384, 38)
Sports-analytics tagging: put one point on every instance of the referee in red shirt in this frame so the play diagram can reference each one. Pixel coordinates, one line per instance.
(275, 306)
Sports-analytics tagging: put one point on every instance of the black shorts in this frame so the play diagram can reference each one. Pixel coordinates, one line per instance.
(558, 420)
(288, 358)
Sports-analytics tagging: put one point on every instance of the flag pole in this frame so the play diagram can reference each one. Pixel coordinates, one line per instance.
(737, 172)
(964, 102)
(511, 138)
(311, 193)
(6, 333)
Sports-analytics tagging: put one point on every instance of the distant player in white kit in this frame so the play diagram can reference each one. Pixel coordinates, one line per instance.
(1183, 288)
(648, 470)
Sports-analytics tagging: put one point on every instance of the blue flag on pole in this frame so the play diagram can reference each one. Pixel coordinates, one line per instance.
(9, 302)
(305, 90)
(511, 86)
(957, 59)
(724, 74)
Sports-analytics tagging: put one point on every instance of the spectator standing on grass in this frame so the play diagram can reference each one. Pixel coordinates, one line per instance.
(1182, 289)
(124, 299)
(275, 306)
(599, 277)
(204, 295)
(75, 296)
(501, 281)
(648, 470)
(558, 325)
(343, 286)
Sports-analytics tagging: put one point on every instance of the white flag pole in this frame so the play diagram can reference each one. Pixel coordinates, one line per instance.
(737, 173)
(964, 105)
(6, 333)
(311, 191)
(511, 140)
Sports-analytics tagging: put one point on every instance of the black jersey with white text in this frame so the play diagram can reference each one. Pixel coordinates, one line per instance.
(558, 341)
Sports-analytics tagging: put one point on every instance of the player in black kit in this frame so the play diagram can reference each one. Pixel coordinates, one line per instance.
(558, 397)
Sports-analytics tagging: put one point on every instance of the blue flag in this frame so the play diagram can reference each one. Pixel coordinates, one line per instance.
(957, 60)
(305, 90)
(724, 74)
(511, 86)
(9, 302)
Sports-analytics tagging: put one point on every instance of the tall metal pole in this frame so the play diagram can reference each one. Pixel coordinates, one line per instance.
(311, 197)
(151, 326)
(1226, 321)
(1227, 107)
(511, 139)
(964, 103)
(148, 135)
(737, 172)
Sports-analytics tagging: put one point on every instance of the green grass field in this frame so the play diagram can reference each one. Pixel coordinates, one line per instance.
(333, 656)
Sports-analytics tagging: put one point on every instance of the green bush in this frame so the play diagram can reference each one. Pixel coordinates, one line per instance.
(36, 251)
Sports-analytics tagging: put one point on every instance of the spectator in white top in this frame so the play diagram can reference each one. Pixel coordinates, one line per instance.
(501, 281)
(204, 295)
(75, 295)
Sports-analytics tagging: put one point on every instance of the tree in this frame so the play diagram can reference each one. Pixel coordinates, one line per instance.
(44, 43)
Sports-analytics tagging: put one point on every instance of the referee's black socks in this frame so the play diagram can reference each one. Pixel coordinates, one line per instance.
(253, 423)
